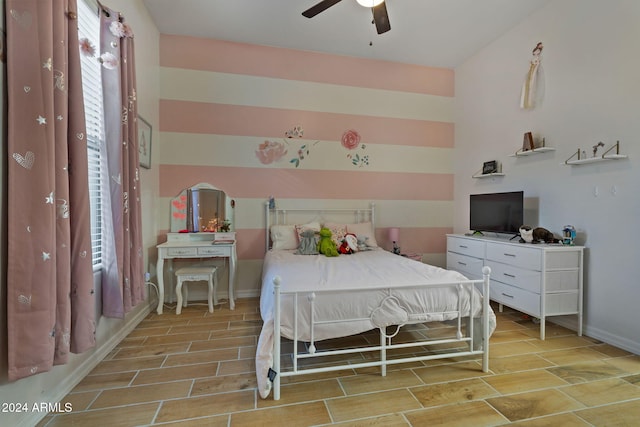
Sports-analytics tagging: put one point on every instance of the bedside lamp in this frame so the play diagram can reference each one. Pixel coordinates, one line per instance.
(394, 236)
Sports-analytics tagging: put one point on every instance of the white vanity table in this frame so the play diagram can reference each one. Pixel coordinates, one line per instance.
(196, 245)
(198, 214)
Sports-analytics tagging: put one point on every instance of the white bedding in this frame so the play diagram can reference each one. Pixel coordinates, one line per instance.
(364, 280)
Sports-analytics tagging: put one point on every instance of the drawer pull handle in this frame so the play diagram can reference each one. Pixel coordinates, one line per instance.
(513, 276)
(507, 295)
(462, 263)
(463, 246)
(512, 255)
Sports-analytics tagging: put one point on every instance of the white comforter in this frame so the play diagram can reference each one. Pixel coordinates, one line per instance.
(363, 281)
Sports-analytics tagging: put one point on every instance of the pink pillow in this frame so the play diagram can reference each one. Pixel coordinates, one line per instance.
(338, 231)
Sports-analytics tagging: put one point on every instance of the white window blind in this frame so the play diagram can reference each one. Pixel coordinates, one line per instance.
(89, 28)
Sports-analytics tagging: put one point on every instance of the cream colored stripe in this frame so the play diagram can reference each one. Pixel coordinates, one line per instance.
(240, 151)
(249, 213)
(204, 86)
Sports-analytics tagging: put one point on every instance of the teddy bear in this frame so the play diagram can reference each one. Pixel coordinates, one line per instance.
(326, 245)
(308, 243)
(349, 244)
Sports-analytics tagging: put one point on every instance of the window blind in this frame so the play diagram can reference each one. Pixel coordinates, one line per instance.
(89, 28)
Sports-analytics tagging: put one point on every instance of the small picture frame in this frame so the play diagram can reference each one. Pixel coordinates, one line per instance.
(144, 142)
(527, 142)
(489, 167)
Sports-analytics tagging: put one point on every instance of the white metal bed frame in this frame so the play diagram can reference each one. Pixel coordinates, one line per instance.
(469, 337)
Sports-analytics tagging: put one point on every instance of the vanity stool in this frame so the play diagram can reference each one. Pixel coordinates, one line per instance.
(193, 274)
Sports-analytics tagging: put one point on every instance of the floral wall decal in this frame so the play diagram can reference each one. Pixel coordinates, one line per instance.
(270, 151)
(351, 141)
(304, 150)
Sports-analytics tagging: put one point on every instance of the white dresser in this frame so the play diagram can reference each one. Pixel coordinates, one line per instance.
(197, 246)
(541, 280)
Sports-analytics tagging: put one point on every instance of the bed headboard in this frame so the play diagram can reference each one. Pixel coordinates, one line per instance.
(286, 216)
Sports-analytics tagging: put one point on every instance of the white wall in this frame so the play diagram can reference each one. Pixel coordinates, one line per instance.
(52, 386)
(592, 87)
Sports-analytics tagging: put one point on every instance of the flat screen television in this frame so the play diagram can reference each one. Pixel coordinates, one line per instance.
(496, 212)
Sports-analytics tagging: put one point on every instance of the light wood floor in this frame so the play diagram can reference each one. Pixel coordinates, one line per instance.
(197, 369)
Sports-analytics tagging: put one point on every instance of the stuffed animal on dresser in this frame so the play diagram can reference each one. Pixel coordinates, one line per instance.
(536, 235)
(326, 245)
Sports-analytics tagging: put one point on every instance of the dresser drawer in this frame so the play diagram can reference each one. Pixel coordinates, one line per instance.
(182, 252)
(474, 248)
(562, 303)
(521, 300)
(518, 256)
(518, 277)
(469, 266)
(214, 251)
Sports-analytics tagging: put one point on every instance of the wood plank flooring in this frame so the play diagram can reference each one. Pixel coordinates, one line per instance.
(197, 369)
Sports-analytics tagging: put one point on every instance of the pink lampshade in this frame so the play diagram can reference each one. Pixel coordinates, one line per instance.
(394, 234)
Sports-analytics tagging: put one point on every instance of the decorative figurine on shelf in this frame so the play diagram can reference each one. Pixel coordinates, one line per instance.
(569, 235)
(595, 147)
(272, 202)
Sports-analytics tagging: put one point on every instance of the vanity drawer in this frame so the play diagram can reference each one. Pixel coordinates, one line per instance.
(514, 276)
(521, 300)
(214, 251)
(517, 256)
(182, 252)
(474, 248)
(469, 266)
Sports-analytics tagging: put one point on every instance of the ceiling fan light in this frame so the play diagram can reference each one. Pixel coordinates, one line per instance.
(369, 3)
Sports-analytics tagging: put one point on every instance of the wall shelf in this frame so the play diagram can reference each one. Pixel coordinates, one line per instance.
(487, 175)
(575, 159)
(539, 150)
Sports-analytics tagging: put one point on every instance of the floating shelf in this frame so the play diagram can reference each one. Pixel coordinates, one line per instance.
(539, 150)
(596, 159)
(487, 175)
(605, 156)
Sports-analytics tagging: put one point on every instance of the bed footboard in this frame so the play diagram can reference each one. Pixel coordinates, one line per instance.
(474, 337)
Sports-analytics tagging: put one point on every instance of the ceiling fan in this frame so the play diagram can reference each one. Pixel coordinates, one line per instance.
(378, 7)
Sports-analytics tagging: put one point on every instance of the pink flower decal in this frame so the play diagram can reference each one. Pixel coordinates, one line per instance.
(86, 47)
(350, 139)
(270, 151)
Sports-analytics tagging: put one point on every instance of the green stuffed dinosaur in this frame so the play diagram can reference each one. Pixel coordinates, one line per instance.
(326, 245)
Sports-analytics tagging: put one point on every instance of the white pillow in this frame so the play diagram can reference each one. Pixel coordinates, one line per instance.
(283, 237)
(364, 230)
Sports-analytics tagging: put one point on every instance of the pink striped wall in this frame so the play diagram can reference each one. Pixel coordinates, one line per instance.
(223, 119)
(308, 184)
(250, 243)
(239, 58)
(282, 180)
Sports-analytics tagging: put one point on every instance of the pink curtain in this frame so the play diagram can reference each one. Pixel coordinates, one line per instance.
(123, 272)
(50, 296)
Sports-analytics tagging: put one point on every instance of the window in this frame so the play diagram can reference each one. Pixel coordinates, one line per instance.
(89, 28)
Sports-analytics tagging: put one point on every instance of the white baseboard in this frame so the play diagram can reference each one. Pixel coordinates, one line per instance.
(598, 334)
(58, 393)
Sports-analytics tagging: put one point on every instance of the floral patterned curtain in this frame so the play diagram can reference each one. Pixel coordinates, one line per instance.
(50, 296)
(123, 272)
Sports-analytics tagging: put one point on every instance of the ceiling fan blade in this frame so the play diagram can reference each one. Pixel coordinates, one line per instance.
(381, 18)
(319, 7)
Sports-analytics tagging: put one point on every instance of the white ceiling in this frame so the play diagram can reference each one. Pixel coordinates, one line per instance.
(439, 33)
